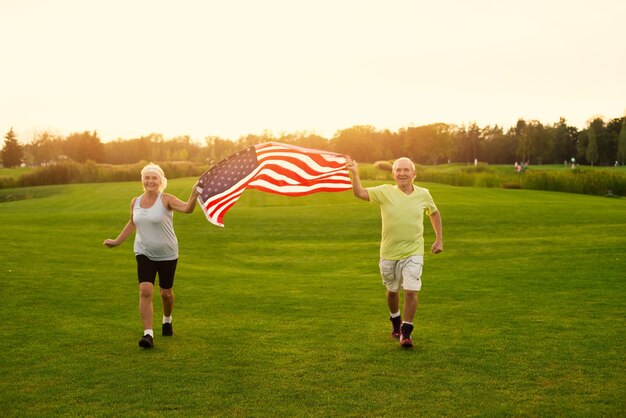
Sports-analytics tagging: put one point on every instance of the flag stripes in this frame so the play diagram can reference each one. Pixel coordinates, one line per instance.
(274, 168)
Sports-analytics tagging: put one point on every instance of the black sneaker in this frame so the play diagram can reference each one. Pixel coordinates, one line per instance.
(167, 330)
(405, 335)
(395, 331)
(146, 341)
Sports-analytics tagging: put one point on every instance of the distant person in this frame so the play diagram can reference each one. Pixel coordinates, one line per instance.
(156, 246)
(402, 209)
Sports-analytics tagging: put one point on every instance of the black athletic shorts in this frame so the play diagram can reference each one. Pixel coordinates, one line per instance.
(147, 270)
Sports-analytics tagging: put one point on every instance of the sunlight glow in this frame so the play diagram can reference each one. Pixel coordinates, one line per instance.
(200, 68)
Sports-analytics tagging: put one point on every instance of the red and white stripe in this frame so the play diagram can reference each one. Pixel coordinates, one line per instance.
(286, 170)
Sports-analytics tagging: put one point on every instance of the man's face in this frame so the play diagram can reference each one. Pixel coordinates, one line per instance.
(403, 174)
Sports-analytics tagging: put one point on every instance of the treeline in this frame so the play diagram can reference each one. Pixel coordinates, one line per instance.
(68, 172)
(600, 143)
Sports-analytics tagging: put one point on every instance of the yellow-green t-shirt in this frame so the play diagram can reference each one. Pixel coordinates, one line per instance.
(402, 219)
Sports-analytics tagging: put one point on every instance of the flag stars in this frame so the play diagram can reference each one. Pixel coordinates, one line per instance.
(228, 172)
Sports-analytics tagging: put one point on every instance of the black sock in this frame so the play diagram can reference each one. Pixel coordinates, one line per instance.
(396, 322)
(407, 329)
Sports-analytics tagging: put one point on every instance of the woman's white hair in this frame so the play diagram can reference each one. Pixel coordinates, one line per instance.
(395, 163)
(153, 168)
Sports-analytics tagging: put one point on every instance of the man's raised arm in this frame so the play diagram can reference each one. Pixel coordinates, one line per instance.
(357, 188)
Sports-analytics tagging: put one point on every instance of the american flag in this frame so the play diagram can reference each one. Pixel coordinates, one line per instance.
(270, 167)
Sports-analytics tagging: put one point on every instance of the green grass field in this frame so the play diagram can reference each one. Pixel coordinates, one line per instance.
(282, 312)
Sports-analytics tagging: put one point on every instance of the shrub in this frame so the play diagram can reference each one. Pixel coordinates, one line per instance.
(71, 172)
(61, 173)
(6, 182)
(580, 181)
(593, 182)
(371, 172)
(479, 168)
(383, 165)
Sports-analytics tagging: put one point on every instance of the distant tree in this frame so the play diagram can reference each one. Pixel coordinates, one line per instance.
(218, 148)
(252, 139)
(467, 144)
(313, 141)
(592, 146)
(606, 147)
(361, 142)
(182, 148)
(428, 144)
(46, 148)
(127, 151)
(305, 139)
(533, 142)
(542, 139)
(613, 130)
(153, 144)
(605, 136)
(393, 145)
(82, 147)
(517, 132)
(12, 152)
(565, 138)
(621, 144)
(498, 148)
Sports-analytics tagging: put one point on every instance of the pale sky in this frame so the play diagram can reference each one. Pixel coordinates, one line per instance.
(127, 68)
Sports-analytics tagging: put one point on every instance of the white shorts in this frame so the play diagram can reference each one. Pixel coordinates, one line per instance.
(406, 273)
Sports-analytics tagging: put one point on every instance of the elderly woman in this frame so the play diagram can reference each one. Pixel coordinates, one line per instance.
(156, 246)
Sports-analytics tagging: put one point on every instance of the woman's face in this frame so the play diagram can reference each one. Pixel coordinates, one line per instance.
(151, 182)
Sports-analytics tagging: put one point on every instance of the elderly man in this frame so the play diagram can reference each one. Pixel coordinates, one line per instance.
(402, 209)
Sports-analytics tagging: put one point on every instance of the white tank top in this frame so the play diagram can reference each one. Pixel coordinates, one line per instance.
(155, 237)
